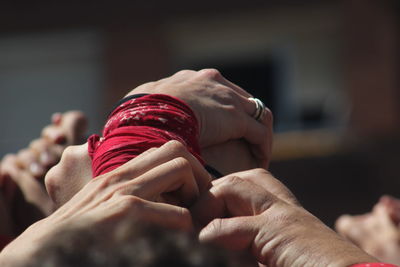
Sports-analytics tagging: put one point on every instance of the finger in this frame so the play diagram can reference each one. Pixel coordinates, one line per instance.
(56, 118)
(165, 153)
(173, 176)
(49, 153)
(266, 180)
(232, 196)
(67, 130)
(258, 133)
(28, 160)
(32, 189)
(7, 184)
(260, 138)
(215, 75)
(55, 134)
(393, 207)
(235, 233)
(74, 125)
(160, 214)
(384, 220)
(69, 176)
(354, 228)
(146, 153)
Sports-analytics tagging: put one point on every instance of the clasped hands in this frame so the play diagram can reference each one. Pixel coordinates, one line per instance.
(168, 187)
(248, 211)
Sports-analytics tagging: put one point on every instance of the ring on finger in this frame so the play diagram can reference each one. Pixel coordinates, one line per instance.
(259, 113)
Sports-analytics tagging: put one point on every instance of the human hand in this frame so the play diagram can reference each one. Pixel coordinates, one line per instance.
(222, 108)
(377, 232)
(253, 211)
(65, 179)
(74, 169)
(21, 174)
(165, 174)
(231, 156)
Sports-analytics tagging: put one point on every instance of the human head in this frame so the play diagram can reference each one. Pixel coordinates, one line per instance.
(129, 245)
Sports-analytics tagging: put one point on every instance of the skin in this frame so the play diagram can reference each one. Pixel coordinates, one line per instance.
(73, 171)
(254, 212)
(213, 99)
(22, 174)
(377, 232)
(250, 211)
(163, 173)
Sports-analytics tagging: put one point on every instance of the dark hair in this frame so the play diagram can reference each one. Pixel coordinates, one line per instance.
(130, 245)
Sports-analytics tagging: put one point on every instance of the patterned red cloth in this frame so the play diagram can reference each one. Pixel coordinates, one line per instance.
(375, 264)
(139, 124)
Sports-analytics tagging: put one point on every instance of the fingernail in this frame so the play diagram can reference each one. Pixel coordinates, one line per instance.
(46, 158)
(61, 140)
(36, 169)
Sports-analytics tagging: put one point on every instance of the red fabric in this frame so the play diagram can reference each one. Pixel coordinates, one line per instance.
(139, 124)
(375, 264)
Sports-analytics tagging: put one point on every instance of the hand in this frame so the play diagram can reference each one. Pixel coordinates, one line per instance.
(166, 173)
(253, 211)
(231, 156)
(221, 107)
(377, 232)
(21, 174)
(65, 179)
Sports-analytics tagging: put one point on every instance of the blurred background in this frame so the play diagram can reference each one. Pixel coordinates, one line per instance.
(327, 69)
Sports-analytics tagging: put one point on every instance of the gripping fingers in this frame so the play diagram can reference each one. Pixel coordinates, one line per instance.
(266, 180)
(143, 211)
(31, 188)
(260, 138)
(232, 196)
(48, 154)
(28, 160)
(67, 128)
(166, 153)
(174, 177)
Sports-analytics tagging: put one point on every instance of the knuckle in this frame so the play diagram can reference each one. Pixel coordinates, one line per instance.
(181, 163)
(46, 130)
(234, 180)
(52, 183)
(129, 202)
(68, 151)
(176, 147)
(24, 153)
(210, 73)
(37, 143)
(184, 72)
(260, 171)
(69, 155)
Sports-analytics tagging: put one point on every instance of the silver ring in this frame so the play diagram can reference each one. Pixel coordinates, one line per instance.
(260, 109)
